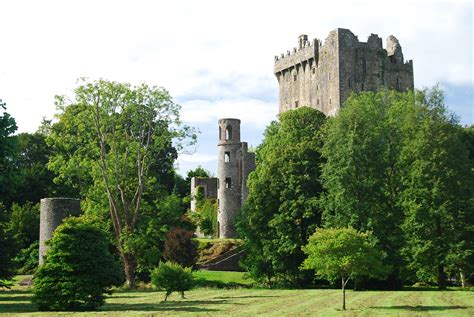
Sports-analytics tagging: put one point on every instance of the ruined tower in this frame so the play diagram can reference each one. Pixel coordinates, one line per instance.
(52, 213)
(322, 76)
(233, 167)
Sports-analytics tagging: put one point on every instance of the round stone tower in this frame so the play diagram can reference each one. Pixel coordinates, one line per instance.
(52, 213)
(229, 174)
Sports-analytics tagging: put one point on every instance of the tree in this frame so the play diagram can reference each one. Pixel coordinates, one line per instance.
(438, 194)
(78, 268)
(117, 144)
(281, 211)
(362, 176)
(7, 250)
(24, 224)
(343, 253)
(180, 247)
(172, 277)
(7, 152)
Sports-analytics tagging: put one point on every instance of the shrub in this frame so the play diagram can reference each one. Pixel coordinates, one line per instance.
(26, 260)
(78, 268)
(180, 247)
(172, 277)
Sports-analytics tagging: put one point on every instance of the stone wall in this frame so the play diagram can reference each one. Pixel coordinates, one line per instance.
(52, 213)
(209, 186)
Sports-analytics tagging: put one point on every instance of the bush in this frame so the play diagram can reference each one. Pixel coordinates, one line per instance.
(180, 247)
(172, 277)
(78, 268)
(26, 260)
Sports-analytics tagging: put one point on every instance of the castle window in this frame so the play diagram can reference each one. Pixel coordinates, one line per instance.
(317, 102)
(349, 83)
(220, 133)
(295, 77)
(362, 86)
(330, 101)
(228, 182)
(398, 84)
(296, 104)
(228, 133)
(226, 157)
(314, 70)
(317, 87)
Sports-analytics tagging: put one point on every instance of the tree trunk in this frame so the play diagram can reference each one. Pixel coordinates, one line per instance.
(441, 277)
(344, 293)
(130, 265)
(461, 276)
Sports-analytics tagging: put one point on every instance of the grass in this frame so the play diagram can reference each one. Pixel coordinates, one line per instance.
(259, 302)
(223, 277)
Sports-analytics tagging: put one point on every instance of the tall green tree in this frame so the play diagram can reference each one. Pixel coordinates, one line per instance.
(281, 211)
(117, 143)
(438, 194)
(362, 175)
(343, 253)
(7, 247)
(7, 153)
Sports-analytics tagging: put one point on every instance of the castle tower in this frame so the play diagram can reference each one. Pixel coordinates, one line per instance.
(52, 213)
(323, 76)
(230, 177)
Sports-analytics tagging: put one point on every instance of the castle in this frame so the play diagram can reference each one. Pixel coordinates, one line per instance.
(313, 74)
(323, 75)
(234, 165)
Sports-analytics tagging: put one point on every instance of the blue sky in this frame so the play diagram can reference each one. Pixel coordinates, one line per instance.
(215, 57)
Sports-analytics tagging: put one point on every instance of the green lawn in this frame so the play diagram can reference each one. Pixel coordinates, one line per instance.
(262, 302)
(223, 276)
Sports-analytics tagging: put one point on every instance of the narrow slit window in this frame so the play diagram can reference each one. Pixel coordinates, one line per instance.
(317, 101)
(295, 77)
(226, 157)
(297, 104)
(228, 182)
(330, 101)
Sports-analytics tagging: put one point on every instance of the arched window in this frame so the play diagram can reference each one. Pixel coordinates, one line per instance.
(228, 133)
(226, 157)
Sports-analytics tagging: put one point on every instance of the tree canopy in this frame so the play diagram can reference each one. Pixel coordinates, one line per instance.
(281, 211)
(116, 144)
(343, 253)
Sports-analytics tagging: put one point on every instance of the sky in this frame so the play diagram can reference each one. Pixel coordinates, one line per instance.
(214, 57)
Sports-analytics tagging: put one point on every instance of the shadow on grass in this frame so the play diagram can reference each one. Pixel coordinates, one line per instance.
(420, 308)
(177, 306)
(248, 296)
(200, 282)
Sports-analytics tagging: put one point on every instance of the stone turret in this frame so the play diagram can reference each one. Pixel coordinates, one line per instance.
(52, 213)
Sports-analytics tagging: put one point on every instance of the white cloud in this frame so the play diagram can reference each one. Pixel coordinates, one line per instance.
(220, 51)
(251, 111)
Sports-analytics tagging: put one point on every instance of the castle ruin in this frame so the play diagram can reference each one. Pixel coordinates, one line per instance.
(234, 164)
(322, 76)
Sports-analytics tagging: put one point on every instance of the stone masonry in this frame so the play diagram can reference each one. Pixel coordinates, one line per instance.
(234, 164)
(322, 76)
(52, 213)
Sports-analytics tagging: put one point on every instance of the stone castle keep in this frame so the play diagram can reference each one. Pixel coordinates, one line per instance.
(234, 164)
(323, 75)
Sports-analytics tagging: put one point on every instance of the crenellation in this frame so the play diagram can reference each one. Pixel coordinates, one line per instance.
(323, 75)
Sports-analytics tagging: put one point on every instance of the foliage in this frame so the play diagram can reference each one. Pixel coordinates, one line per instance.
(78, 268)
(116, 144)
(7, 152)
(343, 253)
(396, 165)
(438, 194)
(281, 211)
(180, 247)
(172, 277)
(205, 214)
(24, 224)
(6, 250)
(26, 260)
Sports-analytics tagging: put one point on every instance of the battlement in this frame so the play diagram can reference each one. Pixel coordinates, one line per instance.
(323, 75)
